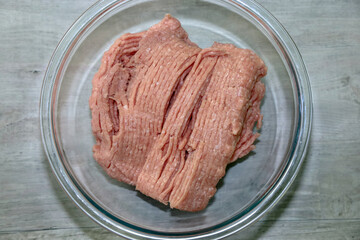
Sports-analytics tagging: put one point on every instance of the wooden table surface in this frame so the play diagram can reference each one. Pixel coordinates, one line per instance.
(323, 202)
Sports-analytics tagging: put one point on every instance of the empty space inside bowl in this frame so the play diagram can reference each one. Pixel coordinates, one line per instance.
(246, 181)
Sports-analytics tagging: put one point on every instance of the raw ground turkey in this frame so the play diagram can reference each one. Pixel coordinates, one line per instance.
(168, 116)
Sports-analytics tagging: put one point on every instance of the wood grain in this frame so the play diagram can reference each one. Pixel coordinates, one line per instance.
(324, 201)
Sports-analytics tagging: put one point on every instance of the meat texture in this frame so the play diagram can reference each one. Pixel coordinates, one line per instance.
(131, 94)
(168, 116)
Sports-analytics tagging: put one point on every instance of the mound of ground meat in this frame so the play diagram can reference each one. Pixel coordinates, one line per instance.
(169, 116)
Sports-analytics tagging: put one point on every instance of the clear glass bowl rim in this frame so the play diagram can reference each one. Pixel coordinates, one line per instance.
(296, 67)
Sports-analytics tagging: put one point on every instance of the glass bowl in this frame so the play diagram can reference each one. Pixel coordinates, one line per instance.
(251, 186)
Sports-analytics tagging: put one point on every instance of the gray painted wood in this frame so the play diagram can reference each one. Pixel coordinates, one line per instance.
(324, 201)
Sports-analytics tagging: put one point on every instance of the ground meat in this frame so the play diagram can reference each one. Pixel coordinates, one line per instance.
(168, 116)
